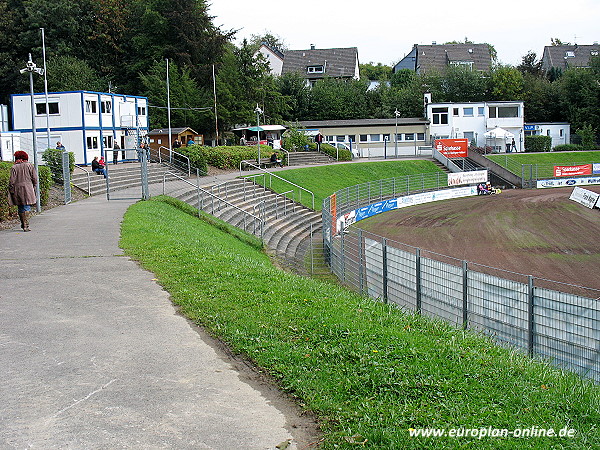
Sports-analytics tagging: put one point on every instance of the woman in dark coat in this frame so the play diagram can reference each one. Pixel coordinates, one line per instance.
(21, 187)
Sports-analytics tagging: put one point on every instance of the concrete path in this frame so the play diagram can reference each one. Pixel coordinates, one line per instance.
(94, 355)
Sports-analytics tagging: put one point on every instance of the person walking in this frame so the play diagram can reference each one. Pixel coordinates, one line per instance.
(21, 187)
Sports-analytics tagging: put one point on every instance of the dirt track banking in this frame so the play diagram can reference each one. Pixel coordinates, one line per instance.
(537, 232)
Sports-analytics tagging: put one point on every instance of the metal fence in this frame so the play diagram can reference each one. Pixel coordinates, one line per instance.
(552, 320)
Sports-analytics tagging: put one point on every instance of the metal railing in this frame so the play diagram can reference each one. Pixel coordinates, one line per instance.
(272, 175)
(251, 223)
(175, 158)
(89, 181)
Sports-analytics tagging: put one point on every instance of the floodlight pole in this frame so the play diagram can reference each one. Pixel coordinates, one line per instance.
(46, 88)
(31, 67)
(396, 113)
(258, 112)
(169, 112)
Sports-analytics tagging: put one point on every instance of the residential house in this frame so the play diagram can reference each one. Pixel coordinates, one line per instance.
(388, 137)
(472, 120)
(86, 123)
(565, 56)
(315, 64)
(427, 58)
(274, 57)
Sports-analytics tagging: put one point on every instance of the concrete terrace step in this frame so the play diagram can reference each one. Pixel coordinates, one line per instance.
(304, 158)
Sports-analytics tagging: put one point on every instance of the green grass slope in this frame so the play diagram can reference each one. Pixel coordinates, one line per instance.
(369, 371)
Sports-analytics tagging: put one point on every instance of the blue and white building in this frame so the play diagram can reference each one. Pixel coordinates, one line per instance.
(86, 123)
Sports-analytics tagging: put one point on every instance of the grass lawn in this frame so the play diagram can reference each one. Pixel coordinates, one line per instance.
(369, 371)
(513, 161)
(325, 180)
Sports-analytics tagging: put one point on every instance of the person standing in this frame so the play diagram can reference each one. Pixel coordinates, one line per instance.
(21, 187)
(116, 149)
(59, 146)
(318, 140)
(176, 144)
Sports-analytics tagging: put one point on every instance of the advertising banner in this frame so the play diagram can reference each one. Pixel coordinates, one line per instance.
(553, 183)
(572, 171)
(584, 197)
(472, 177)
(596, 168)
(452, 148)
(333, 211)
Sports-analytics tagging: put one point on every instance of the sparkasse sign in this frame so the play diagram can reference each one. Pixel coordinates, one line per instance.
(452, 148)
(570, 171)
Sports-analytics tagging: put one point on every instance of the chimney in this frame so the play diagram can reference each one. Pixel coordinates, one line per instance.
(312, 46)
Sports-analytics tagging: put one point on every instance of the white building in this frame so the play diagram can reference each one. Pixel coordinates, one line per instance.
(473, 119)
(86, 123)
(560, 132)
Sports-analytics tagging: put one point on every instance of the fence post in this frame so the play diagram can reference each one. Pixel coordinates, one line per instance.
(343, 255)
(418, 279)
(465, 294)
(361, 255)
(385, 270)
(530, 316)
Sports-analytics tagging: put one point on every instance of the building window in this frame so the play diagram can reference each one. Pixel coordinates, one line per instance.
(92, 142)
(409, 136)
(469, 135)
(386, 137)
(455, 112)
(467, 64)
(440, 116)
(340, 138)
(468, 112)
(399, 137)
(363, 138)
(91, 106)
(594, 52)
(481, 110)
(315, 69)
(107, 141)
(375, 137)
(141, 110)
(106, 107)
(420, 136)
(502, 112)
(40, 108)
(570, 54)
(560, 132)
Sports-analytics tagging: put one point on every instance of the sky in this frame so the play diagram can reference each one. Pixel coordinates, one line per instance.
(384, 31)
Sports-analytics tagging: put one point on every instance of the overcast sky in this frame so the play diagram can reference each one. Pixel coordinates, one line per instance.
(385, 30)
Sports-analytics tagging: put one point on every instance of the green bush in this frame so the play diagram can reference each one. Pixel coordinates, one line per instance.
(588, 137)
(8, 212)
(197, 157)
(538, 143)
(567, 148)
(230, 157)
(294, 139)
(341, 154)
(53, 159)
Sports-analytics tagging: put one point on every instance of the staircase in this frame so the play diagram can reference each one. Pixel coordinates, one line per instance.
(121, 176)
(309, 158)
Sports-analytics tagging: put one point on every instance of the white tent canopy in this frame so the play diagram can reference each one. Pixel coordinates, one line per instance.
(498, 133)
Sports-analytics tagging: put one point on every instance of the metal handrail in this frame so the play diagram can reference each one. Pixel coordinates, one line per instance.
(89, 181)
(213, 197)
(171, 153)
(284, 202)
(271, 174)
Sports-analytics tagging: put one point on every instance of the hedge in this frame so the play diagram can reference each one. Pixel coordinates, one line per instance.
(341, 154)
(53, 159)
(568, 148)
(8, 212)
(230, 157)
(538, 143)
(197, 157)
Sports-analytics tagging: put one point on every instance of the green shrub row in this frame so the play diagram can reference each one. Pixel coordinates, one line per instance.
(8, 212)
(197, 157)
(53, 159)
(538, 143)
(342, 154)
(568, 148)
(230, 157)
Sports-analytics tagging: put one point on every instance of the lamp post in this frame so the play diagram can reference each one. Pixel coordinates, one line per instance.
(258, 112)
(46, 88)
(396, 113)
(168, 113)
(31, 67)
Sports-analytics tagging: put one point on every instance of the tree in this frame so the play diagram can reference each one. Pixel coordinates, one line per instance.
(531, 65)
(580, 97)
(69, 73)
(506, 83)
(272, 40)
(374, 72)
(457, 84)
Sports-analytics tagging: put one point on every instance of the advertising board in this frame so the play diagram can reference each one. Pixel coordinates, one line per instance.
(584, 197)
(572, 171)
(452, 148)
(474, 176)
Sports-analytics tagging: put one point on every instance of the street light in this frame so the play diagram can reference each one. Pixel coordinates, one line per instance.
(31, 67)
(258, 112)
(396, 113)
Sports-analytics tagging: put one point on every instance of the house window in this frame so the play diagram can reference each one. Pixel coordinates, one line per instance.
(315, 69)
(570, 54)
(594, 52)
(502, 112)
(40, 108)
(466, 64)
(468, 112)
(92, 142)
(141, 110)
(481, 110)
(420, 136)
(363, 138)
(91, 106)
(106, 107)
(455, 112)
(440, 116)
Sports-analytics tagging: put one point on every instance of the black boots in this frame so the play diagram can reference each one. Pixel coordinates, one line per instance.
(24, 216)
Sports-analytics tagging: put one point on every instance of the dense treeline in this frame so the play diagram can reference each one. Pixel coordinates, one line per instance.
(121, 46)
